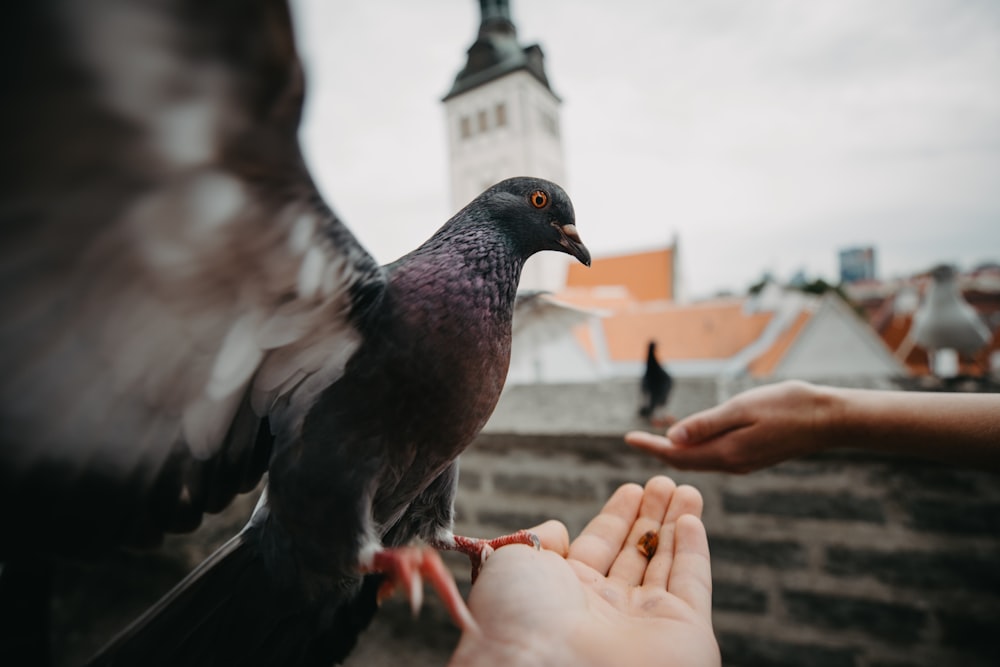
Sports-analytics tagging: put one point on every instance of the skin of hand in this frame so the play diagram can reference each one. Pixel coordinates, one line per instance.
(599, 601)
(772, 423)
(753, 430)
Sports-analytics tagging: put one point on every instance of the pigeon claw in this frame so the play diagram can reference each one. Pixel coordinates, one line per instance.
(406, 568)
(478, 550)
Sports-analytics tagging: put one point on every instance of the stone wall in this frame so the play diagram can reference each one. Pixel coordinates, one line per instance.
(832, 560)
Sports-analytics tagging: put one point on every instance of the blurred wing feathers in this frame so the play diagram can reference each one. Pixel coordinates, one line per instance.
(165, 257)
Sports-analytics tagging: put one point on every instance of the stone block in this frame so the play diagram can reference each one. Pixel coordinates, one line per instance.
(970, 571)
(782, 554)
(955, 516)
(732, 596)
(568, 488)
(471, 480)
(891, 622)
(911, 478)
(805, 505)
(739, 650)
(974, 635)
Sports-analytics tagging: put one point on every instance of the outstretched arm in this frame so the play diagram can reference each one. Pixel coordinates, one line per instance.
(769, 424)
(600, 601)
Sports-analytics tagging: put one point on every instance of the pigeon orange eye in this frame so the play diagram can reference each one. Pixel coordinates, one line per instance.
(539, 199)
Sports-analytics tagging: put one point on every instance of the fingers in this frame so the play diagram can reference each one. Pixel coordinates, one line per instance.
(601, 541)
(610, 542)
(630, 564)
(647, 441)
(707, 424)
(703, 456)
(691, 576)
(553, 536)
(656, 445)
(708, 440)
(686, 500)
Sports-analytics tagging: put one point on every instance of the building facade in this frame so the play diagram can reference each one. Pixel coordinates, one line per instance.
(857, 264)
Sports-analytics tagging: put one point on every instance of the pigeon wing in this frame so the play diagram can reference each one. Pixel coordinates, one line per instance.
(169, 273)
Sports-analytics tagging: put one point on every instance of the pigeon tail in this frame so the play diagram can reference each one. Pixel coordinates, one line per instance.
(231, 611)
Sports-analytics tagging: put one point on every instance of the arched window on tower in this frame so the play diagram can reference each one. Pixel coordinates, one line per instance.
(501, 114)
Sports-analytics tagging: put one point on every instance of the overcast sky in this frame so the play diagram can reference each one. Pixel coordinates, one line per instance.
(765, 134)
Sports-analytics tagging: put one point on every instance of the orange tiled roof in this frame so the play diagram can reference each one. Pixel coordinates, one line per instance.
(648, 276)
(893, 333)
(711, 330)
(764, 365)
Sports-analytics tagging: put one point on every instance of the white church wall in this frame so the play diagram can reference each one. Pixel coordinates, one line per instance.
(551, 362)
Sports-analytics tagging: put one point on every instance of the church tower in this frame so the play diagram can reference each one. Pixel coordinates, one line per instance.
(503, 121)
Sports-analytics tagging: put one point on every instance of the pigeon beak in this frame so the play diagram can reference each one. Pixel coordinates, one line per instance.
(570, 240)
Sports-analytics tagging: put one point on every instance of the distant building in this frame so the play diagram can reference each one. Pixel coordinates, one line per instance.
(857, 264)
(503, 121)
(774, 333)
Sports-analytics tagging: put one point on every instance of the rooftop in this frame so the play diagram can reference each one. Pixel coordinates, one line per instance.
(647, 275)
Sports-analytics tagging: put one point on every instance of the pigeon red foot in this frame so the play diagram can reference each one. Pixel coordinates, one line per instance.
(478, 550)
(406, 567)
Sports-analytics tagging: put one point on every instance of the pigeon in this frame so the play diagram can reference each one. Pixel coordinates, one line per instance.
(946, 321)
(655, 386)
(185, 316)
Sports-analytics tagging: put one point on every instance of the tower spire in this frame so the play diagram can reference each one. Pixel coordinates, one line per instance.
(496, 51)
(495, 9)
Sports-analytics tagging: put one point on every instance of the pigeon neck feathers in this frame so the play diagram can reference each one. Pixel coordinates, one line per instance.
(467, 268)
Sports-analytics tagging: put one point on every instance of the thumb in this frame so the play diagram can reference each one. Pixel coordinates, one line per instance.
(706, 425)
(553, 536)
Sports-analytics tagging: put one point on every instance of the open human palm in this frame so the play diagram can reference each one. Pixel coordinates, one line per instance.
(601, 600)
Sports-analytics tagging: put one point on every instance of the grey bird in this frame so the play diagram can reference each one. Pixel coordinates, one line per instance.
(945, 320)
(182, 313)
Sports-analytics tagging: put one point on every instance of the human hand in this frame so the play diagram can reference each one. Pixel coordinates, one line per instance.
(753, 430)
(600, 601)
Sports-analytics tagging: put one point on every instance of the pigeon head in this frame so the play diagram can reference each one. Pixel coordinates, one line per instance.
(536, 214)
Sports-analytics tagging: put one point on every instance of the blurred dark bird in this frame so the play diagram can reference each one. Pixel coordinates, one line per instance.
(655, 387)
(182, 312)
(946, 321)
